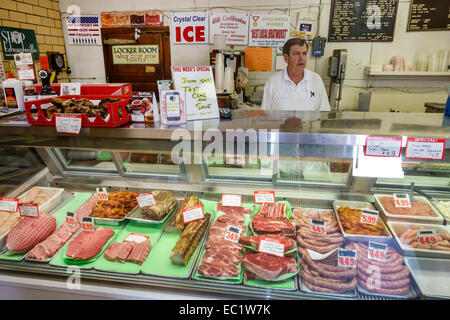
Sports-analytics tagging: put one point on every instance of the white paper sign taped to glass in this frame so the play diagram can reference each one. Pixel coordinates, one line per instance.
(189, 28)
(136, 54)
(233, 25)
(84, 30)
(268, 30)
(425, 148)
(198, 84)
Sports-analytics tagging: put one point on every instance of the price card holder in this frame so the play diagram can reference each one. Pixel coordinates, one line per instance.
(425, 148)
(68, 123)
(264, 197)
(377, 251)
(29, 210)
(383, 146)
(87, 224)
(427, 237)
(347, 258)
(401, 200)
(233, 234)
(318, 226)
(145, 200)
(271, 247)
(9, 204)
(231, 200)
(193, 213)
(369, 217)
(70, 218)
(102, 194)
(136, 237)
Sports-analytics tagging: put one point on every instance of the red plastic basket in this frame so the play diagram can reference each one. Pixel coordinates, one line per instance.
(113, 108)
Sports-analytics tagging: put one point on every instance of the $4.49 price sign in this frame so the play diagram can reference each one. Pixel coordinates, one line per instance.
(427, 237)
(401, 200)
(369, 217)
(29, 210)
(347, 258)
(87, 224)
(377, 251)
(233, 234)
(318, 226)
(193, 213)
(145, 200)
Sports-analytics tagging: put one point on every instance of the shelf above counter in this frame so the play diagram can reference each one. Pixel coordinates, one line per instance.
(406, 74)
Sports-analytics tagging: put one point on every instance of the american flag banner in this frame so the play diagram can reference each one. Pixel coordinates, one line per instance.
(84, 30)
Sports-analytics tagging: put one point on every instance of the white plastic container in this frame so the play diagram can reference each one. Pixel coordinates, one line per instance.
(13, 91)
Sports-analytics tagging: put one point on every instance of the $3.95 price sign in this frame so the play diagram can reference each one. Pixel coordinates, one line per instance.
(427, 237)
(369, 217)
(233, 234)
(347, 258)
(401, 200)
(87, 224)
(102, 194)
(377, 251)
(318, 226)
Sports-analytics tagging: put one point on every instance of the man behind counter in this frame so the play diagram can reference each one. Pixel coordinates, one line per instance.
(295, 88)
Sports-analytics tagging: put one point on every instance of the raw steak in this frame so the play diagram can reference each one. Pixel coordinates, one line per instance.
(118, 251)
(231, 209)
(86, 208)
(231, 218)
(263, 225)
(224, 244)
(88, 244)
(268, 266)
(253, 241)
(222, 254)
(218, 230)
(273, 210)
(139, 252)
(218, 269)
(29, 231)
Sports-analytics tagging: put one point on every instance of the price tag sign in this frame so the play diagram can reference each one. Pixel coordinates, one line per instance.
(233, 234)
(193, 213)
(264, 196)
(427, 237)
(271, 247)
(383, 146)
(87, 224)
(102, 194)
(347, 258)
(9, 204)
(145, 200)
(136, 237)
(70, 218)
(377, 251)
(68, 123)
(401, 200)
(425, 148)
(29, 210)
(231, 200)
(369, 217)
(318, 226)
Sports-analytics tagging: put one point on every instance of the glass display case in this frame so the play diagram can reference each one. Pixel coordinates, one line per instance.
(312, 164)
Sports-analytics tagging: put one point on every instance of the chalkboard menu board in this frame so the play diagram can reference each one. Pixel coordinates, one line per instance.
(429, 15)
(362, 20)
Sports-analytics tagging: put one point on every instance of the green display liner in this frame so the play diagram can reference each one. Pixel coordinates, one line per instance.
(288, 208)
(59, 259)
(288, 285)
(237, 280)
(158, 261)
(154, 231)
(60, 216)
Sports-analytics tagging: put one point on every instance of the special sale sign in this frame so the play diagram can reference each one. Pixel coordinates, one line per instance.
(189, 28)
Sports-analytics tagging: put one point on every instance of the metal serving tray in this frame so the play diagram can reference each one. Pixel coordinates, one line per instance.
(411, 293)
(136, 215)
(438, 219)
(112, 222)
(399, 227)
(305, 289)
(358, 237)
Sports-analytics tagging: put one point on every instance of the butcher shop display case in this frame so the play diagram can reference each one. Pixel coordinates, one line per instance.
(278, 205)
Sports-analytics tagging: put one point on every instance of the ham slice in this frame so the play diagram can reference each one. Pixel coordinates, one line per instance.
(88, 244)
(139, 252)
(118, 251)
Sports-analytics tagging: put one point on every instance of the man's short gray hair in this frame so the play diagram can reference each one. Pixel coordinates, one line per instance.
(292, 42)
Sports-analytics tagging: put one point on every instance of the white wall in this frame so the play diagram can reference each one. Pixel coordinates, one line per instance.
(405, 94)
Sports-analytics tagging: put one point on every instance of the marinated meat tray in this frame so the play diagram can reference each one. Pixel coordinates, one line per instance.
(114, 211)
(421, 211)
(166, 204)
(386, 236)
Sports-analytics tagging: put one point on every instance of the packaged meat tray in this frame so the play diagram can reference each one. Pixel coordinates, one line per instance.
(50, 200)
(404, 231)
(159, 261)
(443, 206)
(153, 231)
(220, 260)
(421, 211)
(432, 276)
(385, 238)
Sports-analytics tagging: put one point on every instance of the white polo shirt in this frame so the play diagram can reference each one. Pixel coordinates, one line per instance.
(280, 93)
